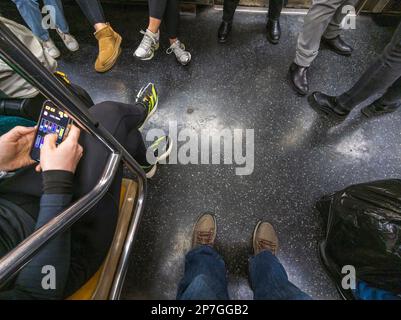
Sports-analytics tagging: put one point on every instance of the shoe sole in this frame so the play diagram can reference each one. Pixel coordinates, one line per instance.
(150, 114)
(254, 236)
(152, 172)
(300, 93)
(148, 58)
(113, 59)
(197, 220)
(370, 114)
(327, 112)
(167, 153)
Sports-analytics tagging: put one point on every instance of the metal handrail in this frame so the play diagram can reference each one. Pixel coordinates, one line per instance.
(15, 54)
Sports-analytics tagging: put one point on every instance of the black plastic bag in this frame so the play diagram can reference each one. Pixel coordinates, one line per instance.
(364, 230)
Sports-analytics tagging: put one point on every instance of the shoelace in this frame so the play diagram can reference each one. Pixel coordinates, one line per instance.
(204, 237)
(262, 244)
(147, 41)
(178, 49)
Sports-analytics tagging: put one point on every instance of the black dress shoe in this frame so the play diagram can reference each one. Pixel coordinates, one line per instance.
(298, 79)
(338, 45)
(327, 106)
(224, 31)
(273, 31)
(377, 109)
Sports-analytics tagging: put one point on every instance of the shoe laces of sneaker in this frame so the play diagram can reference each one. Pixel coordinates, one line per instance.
(178, 48)
(147, 41)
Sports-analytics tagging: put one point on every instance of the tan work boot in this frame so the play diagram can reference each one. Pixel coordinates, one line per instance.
(264, 238)
(109, 48)
(205, 230)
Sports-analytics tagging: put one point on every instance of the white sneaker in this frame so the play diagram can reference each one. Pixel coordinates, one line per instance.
(183, 57)
(159, 151)
(70, 42)
(148, 46)
(51, 48)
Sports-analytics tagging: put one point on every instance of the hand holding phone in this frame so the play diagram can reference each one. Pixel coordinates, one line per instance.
(64, 157)
(52, 120)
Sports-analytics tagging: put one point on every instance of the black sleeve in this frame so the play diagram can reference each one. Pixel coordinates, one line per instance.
(57, 182)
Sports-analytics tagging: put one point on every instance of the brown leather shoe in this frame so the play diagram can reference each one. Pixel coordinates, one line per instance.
(264, 238)
(109, 48)
(205, 230)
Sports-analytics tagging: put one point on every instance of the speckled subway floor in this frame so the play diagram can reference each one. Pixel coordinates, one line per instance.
(242, 85)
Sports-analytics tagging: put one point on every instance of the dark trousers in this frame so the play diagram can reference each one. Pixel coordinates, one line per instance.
(167, 11)
(275, 7)
(91, 236)
(382, 77)
(93, 11)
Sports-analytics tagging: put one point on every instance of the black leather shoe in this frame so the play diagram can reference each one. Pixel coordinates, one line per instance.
(273, 31)
(224, 31)
(298, 79)
(376, 109)
(327, 106)
(338, 45)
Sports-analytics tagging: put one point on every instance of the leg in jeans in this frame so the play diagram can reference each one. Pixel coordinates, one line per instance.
(92, 10)
(269, 280)
(204, 277)
(379, 77)
(315, 25)
(30, 12)
(60, 22)
(334, 28)
(229, 10)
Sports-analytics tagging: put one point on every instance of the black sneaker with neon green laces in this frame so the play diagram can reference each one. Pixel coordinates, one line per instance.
(159, 151)
(149, 98)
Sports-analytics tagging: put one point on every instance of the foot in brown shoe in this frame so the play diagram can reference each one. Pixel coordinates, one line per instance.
(109, 48)
(264, 238)
(205, 230)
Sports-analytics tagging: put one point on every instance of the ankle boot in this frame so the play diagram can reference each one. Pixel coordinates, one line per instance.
(109, 48)
(299, 79)
(273, 29)
(224, 31)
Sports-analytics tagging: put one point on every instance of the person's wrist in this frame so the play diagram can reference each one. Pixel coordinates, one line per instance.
(57, 182)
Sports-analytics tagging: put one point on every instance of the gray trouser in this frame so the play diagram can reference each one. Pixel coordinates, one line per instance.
(323, 19)
(382, 76)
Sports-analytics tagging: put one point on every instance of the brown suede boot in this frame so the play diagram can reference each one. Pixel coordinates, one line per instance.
(109, 48)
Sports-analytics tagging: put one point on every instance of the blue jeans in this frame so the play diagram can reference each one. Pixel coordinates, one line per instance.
(31, 13)
(205, 277)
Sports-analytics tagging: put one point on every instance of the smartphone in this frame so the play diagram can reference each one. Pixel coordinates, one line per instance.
(52, 120)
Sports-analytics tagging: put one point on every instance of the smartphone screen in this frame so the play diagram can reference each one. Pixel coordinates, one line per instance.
(51, 121)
